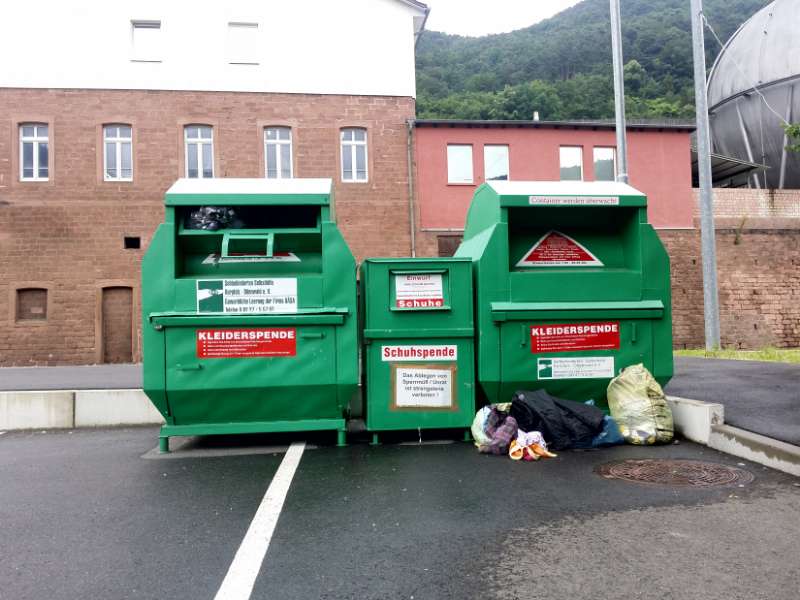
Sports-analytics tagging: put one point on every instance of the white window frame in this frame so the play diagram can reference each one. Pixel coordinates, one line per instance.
(471, 180)
(199, 142)
(350, 147)
(36, 140)
(151, 54)
(614, 159)
(508, 161)
(118, 141)
(278, 143)
(580, 149)
(240, 33)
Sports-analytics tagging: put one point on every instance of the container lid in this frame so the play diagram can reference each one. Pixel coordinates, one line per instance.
(567, 193)
(252, 191)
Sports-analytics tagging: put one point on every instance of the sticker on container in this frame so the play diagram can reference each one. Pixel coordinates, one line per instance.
(423, 386)
(246, 343)
(419, 291)
(413, 353)
(568, 337)
(586, 367)
(555, 249)
(241, 257)
(573, 200)
(247, 296)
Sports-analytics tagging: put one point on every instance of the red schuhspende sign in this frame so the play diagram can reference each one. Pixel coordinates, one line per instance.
(246, 343)
(574, 336)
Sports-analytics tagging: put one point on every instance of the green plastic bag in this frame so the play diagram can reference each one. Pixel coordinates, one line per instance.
(640, 408)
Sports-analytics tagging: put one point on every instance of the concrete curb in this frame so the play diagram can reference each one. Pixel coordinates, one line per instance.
(67, 409)
(756, 448)
(704, 423)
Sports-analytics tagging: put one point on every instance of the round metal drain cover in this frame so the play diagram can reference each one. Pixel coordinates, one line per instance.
(675, 472)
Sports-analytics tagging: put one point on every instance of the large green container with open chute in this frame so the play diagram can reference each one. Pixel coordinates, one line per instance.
(571, 286)
(250, 325)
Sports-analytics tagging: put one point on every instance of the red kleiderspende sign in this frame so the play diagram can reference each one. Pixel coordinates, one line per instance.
(246, 343)
(567, 337)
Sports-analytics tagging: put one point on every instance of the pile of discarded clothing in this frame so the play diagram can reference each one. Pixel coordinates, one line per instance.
(497, 432)
(535, 422)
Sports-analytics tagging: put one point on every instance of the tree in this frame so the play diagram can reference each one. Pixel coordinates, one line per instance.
(635, 76)
(793, 134)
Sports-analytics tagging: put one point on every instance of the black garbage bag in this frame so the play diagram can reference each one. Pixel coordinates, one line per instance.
(563, 423)
(212, 218)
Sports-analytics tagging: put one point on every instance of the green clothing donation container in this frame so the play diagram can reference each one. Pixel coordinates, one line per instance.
(418, 343)
(571, 284)
(249, 309)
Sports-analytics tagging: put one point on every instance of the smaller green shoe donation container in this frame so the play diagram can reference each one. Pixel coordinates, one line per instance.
(418, 343)
(571, 284)
(249, 309)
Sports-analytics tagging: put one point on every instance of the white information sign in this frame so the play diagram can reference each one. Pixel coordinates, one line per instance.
(573, 200)
(247, 296)
(419, 291)
(421, 387)
(586, 367)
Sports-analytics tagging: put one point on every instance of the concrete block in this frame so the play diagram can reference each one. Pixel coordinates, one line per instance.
(694, 419)
(36, 410)
(756, 448)
(102, 408)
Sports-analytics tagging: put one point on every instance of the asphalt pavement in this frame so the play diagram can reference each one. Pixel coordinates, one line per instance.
(763, 397)
(84, 515)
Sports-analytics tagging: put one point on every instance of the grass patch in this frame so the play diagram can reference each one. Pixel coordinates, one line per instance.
(785, 355)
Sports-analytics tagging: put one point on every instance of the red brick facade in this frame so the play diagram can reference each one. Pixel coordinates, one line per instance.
(66, 235)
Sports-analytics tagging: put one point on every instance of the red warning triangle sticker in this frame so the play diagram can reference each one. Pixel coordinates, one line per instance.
(555, 249)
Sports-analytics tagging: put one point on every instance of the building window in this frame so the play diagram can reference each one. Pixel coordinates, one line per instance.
(146, 41)
(354, 154)
(31, 304)
(495, 163)
(117, 154)
(278, 153)
(605, 164)
(33, 152)
(459, 163)
(571, 159)
(199, 151)
(243, 43)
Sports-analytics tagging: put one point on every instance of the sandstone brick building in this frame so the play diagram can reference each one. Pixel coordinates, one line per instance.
(95, 129)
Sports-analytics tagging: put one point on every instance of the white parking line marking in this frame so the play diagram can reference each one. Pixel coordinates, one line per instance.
(238, 583)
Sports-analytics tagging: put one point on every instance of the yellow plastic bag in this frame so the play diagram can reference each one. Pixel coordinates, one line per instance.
(639, 406)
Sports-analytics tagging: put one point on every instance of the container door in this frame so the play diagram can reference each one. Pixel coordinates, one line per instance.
(245, 374)
(569, 358)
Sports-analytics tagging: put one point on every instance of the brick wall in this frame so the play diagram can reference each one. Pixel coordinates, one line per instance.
(759, 287)
(749, 204)
(66, 235)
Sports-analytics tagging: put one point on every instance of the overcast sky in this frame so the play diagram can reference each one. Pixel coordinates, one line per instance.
(480, 17)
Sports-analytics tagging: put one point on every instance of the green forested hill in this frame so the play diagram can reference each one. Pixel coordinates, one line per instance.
(561, 67)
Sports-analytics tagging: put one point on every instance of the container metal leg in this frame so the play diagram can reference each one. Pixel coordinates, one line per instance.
(375, 440)
(341, 437)
(467, 435)
(163, 445)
